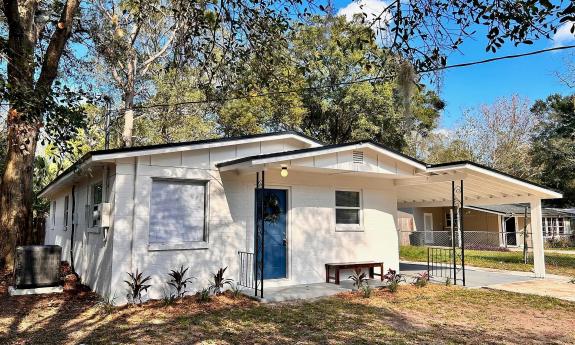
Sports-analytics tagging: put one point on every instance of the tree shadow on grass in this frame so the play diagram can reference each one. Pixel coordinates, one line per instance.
(344, 319)
(331, 320)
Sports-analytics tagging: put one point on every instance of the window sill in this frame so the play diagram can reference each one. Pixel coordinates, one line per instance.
(178, 246)
(340, 228)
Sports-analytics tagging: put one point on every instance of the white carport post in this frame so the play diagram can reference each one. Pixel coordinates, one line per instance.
(537, 238)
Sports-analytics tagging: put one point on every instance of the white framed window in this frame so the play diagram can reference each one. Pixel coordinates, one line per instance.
(178, 213)
(553, 226)
(95, 197)
(348, 206)
(448, 219)
(66, 212)
(53, 215)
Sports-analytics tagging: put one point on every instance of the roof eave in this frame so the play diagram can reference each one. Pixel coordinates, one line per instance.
(548, 193)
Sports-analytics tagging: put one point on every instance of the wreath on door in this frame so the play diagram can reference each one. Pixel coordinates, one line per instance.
(272, 209)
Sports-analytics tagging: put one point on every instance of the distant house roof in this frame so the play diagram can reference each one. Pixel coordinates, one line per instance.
(519, 209)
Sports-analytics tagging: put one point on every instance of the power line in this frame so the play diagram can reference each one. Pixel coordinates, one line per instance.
(358, 81)
(513, 56)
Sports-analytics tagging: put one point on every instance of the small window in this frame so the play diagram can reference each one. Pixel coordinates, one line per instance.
(178, 212)
(448, 219)
(95, 198)
(66, 212)
(347, 210)
(53, 214)
(97, 193)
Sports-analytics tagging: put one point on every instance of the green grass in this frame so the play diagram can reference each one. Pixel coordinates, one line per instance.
(561, 248)
(556, 263)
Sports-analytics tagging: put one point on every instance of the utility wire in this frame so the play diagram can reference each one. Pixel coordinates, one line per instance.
(513, 56)
(358, 81)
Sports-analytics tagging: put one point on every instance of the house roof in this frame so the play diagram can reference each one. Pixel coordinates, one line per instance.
(467, 164)
(110, 154)
(425, 173)
(313, 151)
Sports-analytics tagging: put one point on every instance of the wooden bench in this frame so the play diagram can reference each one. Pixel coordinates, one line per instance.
(352, 265)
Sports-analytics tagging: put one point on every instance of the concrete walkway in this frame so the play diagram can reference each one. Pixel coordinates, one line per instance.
(474, 277)
(542, 287)
(513, 281)
(306, 291)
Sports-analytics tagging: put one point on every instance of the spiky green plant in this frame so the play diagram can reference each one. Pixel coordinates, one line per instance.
(393, 280)
(359, 278)
(421, 279)
(179, 281)
(137, 285)
(204, 295)
(217, 285)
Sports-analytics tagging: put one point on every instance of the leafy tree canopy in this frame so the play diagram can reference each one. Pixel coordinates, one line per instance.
(554, 144)
(323, 67)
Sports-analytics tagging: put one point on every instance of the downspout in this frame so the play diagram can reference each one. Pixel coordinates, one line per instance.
(137, 162)
(73, 231)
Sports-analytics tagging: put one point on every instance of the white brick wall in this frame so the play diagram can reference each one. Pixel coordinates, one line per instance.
(312, 239)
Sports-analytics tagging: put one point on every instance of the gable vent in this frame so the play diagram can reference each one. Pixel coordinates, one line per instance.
(358, 157)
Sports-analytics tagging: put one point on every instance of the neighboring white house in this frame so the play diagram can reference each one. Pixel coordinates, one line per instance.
(155, 208)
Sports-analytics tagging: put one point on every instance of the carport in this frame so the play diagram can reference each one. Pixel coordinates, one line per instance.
(461, 184)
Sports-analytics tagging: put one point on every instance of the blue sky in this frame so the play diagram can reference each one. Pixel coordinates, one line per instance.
(532, 77)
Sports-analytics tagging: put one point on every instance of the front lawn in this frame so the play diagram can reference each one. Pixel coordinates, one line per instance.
(556, 263)
(429, 315)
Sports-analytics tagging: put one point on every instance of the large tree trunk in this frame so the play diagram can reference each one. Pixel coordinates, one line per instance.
(25, 116)
(129, 94)
(16, 189)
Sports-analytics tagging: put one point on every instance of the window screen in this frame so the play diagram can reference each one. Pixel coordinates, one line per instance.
(177, 211)
(53, 214)
(66, 211)
(347, 207)
(97, 193)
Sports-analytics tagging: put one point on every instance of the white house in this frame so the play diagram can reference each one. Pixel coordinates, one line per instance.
(155, 208)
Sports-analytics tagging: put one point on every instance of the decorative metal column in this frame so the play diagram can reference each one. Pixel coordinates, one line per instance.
(461, 231)
(454, 225)
(259, 235)
(457, 225)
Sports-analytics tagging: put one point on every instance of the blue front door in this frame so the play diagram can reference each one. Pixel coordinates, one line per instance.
(275, 240)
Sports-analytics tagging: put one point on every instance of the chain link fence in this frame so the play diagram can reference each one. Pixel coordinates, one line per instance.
(491, 249)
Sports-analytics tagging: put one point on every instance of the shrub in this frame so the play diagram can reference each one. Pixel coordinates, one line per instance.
(393, 279)
(236, 290)
(204, 295)
(217, 285)
(137, 285)
(447, 281)
(359, 278)
(421, 279)
(106, 305)
(366, 289)
(560, 242)
(178, 281)
(168, 298)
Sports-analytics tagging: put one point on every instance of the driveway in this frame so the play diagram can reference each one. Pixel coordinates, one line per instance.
(519, 282)
(474, 277)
